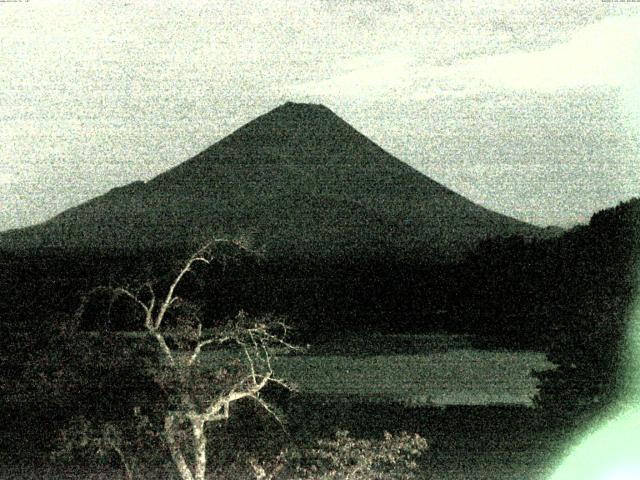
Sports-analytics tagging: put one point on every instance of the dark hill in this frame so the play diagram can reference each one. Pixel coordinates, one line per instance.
(299, 180)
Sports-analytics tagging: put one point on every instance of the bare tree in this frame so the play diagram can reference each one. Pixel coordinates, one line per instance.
(238, 360)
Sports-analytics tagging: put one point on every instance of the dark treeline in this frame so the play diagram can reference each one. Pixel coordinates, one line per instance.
(42, 293)
(317, 295)
(567, 296)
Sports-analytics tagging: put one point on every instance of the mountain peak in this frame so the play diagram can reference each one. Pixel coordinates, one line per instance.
(300, 112)
(289, 105)
(302, 180)
(292, 132)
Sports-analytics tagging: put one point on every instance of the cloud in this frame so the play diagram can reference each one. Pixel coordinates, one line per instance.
(363, 75)
(6, 178)
(601, 54)
(119, 93)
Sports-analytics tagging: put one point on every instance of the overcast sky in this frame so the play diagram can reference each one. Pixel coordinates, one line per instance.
(529, 108)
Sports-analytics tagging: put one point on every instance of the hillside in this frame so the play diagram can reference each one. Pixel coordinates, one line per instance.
(300, 181)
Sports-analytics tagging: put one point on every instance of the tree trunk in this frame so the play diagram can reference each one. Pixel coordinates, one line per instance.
(174, 448)
(200, 447)
(128, 473)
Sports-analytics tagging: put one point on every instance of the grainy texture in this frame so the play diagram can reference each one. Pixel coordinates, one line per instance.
(375, 149)
(528, 108)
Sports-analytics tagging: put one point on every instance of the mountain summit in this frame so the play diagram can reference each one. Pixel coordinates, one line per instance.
(299, 180)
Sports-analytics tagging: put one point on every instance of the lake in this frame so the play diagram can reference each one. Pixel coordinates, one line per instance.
(415, 370)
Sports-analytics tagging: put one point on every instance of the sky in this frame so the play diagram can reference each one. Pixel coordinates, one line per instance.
(531, 109)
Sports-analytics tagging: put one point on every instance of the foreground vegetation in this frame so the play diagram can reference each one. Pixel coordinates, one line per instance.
(495, 440)
(477, 443)
(173, 394)
(110, 395)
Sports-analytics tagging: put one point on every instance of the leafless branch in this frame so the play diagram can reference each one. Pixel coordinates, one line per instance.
(169, 299)
(123, 291)
(274, 338)
(164, 348)
(198, 349)
(256, 340)
(287, 385)
(251, 364)
(270, 410)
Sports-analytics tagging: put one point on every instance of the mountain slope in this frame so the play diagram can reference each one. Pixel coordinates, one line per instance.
(299, 180)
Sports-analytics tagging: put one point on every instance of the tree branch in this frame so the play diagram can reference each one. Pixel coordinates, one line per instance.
(164, 348)
(174, 448)
(127, 469)
(269, 410)
(169, 299)
(256, 340)
(204, 343)
(147, 308)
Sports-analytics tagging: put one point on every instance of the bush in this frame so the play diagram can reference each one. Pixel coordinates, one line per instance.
(393, 457)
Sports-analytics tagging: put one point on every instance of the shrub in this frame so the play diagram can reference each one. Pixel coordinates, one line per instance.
(393, 457)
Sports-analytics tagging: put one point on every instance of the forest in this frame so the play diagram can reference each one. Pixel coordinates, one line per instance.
(80, 342)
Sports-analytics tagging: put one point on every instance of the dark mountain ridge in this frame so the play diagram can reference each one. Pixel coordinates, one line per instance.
(300, 181)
